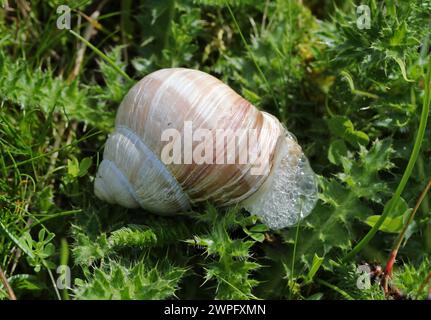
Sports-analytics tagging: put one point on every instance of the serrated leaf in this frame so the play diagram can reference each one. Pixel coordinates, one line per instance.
(228, 260)
(329, 226)
(115, 281)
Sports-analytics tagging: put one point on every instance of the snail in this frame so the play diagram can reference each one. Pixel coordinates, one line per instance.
(184, 138)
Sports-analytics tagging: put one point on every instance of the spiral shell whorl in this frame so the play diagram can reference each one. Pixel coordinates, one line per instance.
(113, 187)
(147, 180)
(168, 98)
(132, 173)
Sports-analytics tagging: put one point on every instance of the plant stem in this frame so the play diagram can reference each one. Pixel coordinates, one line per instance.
(296, 240)
(90, 31)
(335, 288)
(252, 56)
(292, 278)
(102, 55)
(64, 260)
(408, 171)
(399, 240)
(7, 285)
(54, 284)
(397, 244)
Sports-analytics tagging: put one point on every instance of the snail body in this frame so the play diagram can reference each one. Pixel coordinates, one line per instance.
(168, 152)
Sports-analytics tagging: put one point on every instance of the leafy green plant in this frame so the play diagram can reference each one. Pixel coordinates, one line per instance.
(228, 260)
(357, 100)
(117, 282)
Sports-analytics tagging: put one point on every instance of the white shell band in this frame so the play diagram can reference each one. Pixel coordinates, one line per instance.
(175, 188)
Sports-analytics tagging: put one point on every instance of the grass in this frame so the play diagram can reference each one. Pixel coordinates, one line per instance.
(356, 99)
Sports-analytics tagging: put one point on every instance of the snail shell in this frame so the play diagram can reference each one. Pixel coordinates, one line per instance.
(135, 173)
